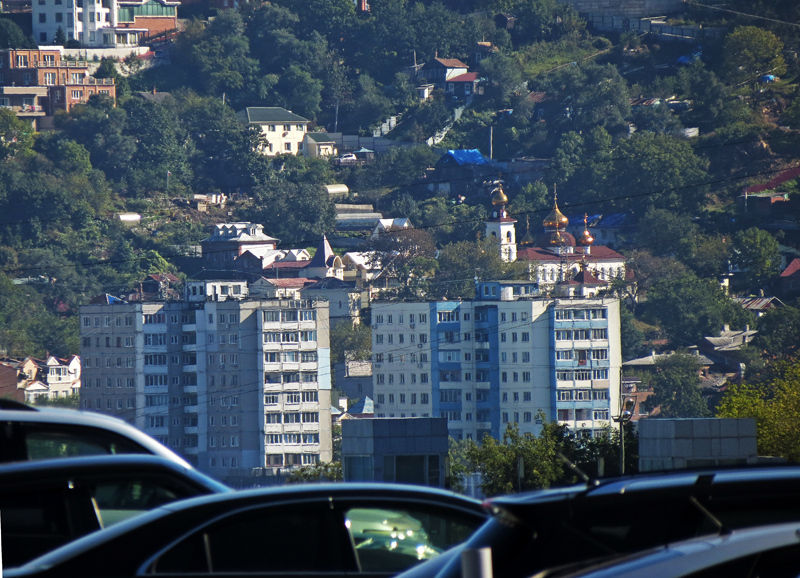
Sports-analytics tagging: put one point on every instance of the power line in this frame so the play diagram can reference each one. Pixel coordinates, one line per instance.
(745, 14)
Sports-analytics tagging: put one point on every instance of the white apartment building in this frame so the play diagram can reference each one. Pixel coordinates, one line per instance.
(508, 356)
(101, 23)
(230, 383)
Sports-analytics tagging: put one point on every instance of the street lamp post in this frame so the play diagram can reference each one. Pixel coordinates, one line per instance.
(625, 415)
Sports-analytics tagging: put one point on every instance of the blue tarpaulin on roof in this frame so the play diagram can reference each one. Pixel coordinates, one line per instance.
(463, 157)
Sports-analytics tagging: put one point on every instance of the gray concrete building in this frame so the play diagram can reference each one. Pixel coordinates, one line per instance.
(411, 451)
(508, 356)
(232, 384)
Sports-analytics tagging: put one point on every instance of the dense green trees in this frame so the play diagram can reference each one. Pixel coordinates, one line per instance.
(545, 459)
(750, 51)
(689, 308)
(676, 387)
(772, 403)
(12, 36)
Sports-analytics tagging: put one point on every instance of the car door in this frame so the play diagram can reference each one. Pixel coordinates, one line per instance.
(390, 535)
(298, 538)
(41, 514)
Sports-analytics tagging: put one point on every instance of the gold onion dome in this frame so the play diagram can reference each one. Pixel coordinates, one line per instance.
(528, 238)
(586, 239)
(555, 239)
(499, 197)
(556, 219)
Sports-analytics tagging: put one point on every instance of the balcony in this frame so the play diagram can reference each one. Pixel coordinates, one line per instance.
(192, 429)
(190, 389)
(190, 451)
(190, 409)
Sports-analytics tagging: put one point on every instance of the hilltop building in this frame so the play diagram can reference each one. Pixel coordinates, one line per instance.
(508, 356)
(110, 24)
(231, 383)
(282, 131)
(36, 83)
(564, 265)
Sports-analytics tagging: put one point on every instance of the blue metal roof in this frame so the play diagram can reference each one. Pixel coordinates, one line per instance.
(463, 157)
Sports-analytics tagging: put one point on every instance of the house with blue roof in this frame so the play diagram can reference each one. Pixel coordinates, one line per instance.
(461, 172)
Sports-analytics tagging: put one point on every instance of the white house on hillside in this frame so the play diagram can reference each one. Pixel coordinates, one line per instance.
(282, 131)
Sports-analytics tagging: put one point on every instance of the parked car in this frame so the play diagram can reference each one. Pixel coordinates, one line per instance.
(545, 529)
(32, 433)
(305, 530)
(765, 551)
(348, 158)
(47, 503)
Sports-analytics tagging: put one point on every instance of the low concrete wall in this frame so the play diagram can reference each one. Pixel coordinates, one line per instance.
(666, 444)
(629, 8)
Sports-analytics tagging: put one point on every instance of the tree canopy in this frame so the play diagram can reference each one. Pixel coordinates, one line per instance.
(676, 387)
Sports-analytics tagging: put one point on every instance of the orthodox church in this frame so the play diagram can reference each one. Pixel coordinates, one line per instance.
(558, 261)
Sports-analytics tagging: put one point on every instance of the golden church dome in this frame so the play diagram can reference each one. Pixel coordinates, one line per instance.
(499, 197)
(556, 219)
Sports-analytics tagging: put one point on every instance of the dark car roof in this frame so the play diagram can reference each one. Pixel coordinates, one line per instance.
(50, 469)
(16, 412)
(649, 509)
(190, 512)
(645, 485)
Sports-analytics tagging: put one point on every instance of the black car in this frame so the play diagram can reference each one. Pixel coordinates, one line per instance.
(549, 528)
(307, 530)
(47, 503)
(40, 433)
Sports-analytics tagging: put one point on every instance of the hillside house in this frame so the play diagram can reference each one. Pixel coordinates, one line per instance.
(464, 85)
(319, 145)
(282, 131)
(440, 70)
(35, 83)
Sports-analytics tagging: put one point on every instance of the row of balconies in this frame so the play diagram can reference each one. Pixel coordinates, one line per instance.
(56, 64)
(27, 109)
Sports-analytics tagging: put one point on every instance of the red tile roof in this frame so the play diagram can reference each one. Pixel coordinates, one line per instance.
(793, 269)
(450, 62)
(289, 283)
(467, 77)
(598, 253)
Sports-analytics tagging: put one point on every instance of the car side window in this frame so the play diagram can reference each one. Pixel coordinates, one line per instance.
(42, 520)
(120, 499)
(392, 539)
(776, 563)
(44, 442)
(264, 540)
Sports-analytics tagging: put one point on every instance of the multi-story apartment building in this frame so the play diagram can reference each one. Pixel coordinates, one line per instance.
(508, 356)
(230, 383)
(35, 83)
(102, 23)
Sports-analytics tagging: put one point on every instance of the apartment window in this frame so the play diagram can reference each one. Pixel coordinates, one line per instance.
(526, 396)
(526, 336)
(42, 17)
(526, 417)
(59, 17)
(599, 354)
(526, 376)
(424, 398)
(599, 334)
(287, 146)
